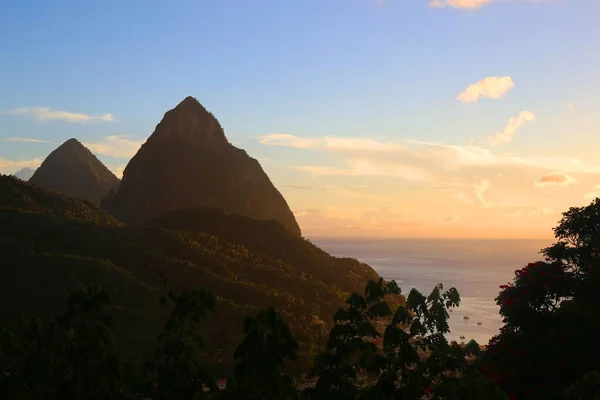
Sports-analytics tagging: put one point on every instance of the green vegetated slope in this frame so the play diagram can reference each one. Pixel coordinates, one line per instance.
(51, 244)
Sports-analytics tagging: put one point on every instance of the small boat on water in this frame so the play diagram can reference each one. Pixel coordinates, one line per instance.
(466, 317)
(479, 323)
(462, 337)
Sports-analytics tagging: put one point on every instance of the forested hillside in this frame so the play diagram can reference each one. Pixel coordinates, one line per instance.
(52, 244)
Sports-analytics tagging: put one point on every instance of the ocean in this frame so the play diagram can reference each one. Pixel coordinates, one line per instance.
(476, 268)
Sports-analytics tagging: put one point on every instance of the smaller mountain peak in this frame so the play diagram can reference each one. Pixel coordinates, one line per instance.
(74, 170)
(71, 146)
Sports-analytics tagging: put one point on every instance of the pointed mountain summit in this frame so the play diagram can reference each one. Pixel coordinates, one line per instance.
(188, 163)
(24, 174)
(73, 170)
(191, 122)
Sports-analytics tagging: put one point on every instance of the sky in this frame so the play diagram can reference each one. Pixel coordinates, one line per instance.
(396, 118)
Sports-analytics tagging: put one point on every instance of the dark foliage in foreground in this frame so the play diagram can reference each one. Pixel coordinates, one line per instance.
(551, 314)
(378, 347)
(51, 243)
(73, 356)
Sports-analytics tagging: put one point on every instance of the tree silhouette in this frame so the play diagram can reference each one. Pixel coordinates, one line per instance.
(413, 360)
(551, 313)
(260, 358)
(70, 357)
(175, 372)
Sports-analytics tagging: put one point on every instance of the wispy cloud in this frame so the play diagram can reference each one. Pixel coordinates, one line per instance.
(470, 4)
(368, 168)
(480, 189)
(430, 155)
(484, 180)
(555, 179)
(27, 140)
(462, 4)
(492, 87)
(330, 143)
(115, 146)
(302, 187)
(514, 124)
(45, 114)
(477, 194)
(9, 166)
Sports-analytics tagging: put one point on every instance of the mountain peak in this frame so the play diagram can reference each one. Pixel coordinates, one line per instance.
(188, 163)
(72, 141)
(24, 173)
(73, 169)
(191, 122)
(189, 101)
(72, 145)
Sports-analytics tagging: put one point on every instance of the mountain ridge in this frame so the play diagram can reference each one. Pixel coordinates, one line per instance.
(65, 242)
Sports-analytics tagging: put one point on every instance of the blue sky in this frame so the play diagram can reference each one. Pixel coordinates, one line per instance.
(389, 72)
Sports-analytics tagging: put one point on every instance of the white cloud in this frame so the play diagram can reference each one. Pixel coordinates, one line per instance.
(511, 128)
(473, 156)
(429, 155)
(10, 166)
(462, 4)
(477, 196)
(44, 114)
(492, 87)
(369, 168)
(287, 140)
(26, 140)
(115, 146)
(480, 189)
(329, 143)
(555, 179)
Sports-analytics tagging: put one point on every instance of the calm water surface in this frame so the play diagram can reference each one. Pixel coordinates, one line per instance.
(475, 267)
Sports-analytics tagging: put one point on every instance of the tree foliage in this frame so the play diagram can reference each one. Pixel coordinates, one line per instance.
(551, 313)
(176, 372)
(377, 347)
(260, 358)
(70, 357)
(397, 354)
